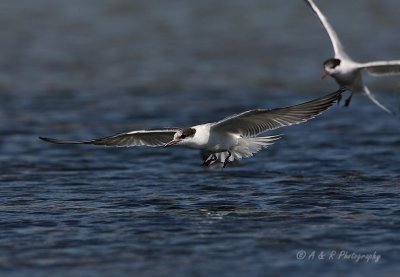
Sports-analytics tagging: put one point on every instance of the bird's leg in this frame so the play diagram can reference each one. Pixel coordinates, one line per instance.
(348, 100)
(227, 159)
(206, 161)
(212, 159)
(209, 160)
(339, 99)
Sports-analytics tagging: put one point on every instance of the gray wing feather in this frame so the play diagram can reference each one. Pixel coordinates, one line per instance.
(150, 137)
(254, 122)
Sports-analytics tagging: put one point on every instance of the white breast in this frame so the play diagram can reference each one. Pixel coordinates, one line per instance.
(214, 141)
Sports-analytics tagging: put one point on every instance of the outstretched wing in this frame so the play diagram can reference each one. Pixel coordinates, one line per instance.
(337, 45)
(151, 137)
(382, 68)
(254, 122)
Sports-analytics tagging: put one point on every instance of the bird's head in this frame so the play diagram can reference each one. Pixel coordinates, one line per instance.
(331, 66)
(183, 136)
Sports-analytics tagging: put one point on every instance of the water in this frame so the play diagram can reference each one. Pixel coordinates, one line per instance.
(75, 70)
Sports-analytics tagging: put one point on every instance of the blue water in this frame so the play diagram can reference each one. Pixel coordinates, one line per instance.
(74, 70)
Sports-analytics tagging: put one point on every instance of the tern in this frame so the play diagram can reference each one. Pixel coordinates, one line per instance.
(347, 72)
(232, 138)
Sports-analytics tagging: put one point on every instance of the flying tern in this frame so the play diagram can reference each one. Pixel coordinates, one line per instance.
(347, 72)
(232, 138)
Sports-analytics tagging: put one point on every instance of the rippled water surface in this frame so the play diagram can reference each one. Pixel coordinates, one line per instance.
(82, 69)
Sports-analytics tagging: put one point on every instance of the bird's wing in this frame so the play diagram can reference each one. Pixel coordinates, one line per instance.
(151, 137)
(373, 99)
(382, 68)
(254, 122)
(337, 45)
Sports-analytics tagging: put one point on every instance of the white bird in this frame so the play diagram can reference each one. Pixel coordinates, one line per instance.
(347, 72)
(229, 139)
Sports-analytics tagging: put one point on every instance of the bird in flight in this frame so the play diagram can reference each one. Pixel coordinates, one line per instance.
(232, 138)
(347, 72)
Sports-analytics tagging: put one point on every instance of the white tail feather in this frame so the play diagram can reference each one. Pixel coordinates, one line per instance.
(373, 99)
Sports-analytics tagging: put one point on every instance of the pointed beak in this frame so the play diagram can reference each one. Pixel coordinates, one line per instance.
(172, 142)
(326, 73)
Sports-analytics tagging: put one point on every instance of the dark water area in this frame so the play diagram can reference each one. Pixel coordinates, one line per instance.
(322, 201)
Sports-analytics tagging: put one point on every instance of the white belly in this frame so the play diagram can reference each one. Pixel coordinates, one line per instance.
(220, 142)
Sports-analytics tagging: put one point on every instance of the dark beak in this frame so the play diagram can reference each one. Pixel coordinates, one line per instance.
(172, 142)
(326, 73)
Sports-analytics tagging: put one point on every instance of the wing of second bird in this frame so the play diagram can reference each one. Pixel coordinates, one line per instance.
(336, 43)
(382, 68)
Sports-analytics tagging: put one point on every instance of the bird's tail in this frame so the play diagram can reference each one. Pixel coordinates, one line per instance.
(249, 146)
(369, 94)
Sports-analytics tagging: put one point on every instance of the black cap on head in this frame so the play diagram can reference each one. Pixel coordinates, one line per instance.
(188, 132)
(332, 63)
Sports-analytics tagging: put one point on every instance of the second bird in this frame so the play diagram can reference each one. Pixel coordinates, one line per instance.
(347, 72)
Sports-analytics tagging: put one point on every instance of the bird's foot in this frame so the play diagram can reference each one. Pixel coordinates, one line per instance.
(227, 159)
(211, 159)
